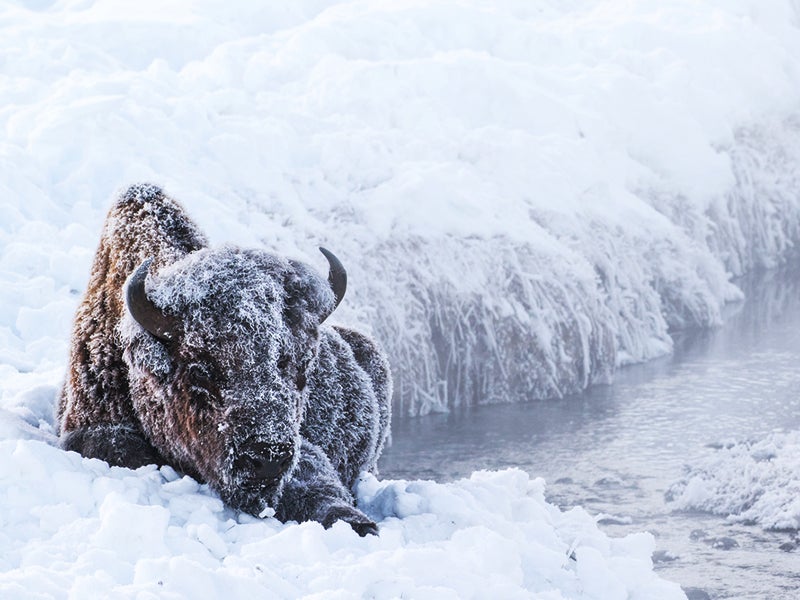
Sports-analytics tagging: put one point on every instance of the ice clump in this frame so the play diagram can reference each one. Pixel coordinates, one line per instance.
(754, 482)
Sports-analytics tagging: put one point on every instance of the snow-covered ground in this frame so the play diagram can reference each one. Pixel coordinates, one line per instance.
(76, 528)
(752, 482)
(527, 194)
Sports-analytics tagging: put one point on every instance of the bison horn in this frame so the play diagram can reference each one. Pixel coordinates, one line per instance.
(337, 276)
(147, 314)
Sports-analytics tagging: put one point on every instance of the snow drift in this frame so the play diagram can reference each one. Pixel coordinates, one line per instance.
(752, 482)
(73, 527)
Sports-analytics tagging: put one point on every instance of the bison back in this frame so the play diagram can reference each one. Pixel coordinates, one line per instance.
(143, 223)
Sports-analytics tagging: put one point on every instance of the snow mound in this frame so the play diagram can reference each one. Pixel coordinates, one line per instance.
(756, 482)
(73, 527)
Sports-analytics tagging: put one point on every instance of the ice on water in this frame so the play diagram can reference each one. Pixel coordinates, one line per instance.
(746, 481)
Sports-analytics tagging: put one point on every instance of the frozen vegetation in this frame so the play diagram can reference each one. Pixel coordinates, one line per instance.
(527, 194)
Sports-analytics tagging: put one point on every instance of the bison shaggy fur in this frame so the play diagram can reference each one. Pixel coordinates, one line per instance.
(216, 361)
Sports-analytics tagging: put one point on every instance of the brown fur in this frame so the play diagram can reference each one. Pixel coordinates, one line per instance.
(252, 393)
(96, 390)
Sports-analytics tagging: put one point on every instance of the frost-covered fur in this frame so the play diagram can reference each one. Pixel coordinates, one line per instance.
(253, 394)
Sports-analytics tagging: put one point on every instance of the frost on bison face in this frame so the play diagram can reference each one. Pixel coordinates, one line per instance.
(217, 362)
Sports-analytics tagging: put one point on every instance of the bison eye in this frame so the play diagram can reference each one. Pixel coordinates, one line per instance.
(202, 386)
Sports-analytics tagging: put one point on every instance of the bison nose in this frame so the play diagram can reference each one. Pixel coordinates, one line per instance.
(259, 460)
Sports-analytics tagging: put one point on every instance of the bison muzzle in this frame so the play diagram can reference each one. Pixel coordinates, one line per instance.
(216, 361)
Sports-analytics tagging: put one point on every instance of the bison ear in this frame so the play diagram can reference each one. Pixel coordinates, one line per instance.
(337, 278)
(143, 311)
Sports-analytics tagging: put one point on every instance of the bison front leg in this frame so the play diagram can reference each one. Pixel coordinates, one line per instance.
(118, 445)
(315, 493)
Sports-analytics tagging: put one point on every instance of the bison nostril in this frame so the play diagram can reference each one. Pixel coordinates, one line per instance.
(264, 461)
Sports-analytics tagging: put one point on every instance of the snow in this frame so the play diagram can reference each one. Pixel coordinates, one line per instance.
(751, 482)
(73, 527)
(526, 195)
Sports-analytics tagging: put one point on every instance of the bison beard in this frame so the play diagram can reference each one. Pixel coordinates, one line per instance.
(217, 362)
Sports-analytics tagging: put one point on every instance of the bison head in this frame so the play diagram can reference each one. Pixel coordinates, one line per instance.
(219, 346)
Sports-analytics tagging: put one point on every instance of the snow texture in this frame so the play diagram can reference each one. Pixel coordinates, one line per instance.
(753, 482)
(74, 527)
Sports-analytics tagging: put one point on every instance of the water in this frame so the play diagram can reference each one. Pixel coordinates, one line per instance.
(616, 449)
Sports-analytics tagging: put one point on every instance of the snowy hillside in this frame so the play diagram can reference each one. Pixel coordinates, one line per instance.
(527, 194)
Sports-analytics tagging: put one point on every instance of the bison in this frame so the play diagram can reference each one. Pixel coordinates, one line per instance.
(217, 361)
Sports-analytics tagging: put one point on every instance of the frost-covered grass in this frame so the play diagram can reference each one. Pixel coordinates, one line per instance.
(753, 482)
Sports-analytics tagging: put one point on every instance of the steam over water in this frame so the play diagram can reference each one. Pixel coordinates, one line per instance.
(617, 449)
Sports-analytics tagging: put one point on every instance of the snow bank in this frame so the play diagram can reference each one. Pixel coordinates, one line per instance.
(526, 194)
(75, 528)
(756, 482)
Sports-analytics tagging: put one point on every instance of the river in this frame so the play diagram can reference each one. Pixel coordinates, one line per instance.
(616, 449)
